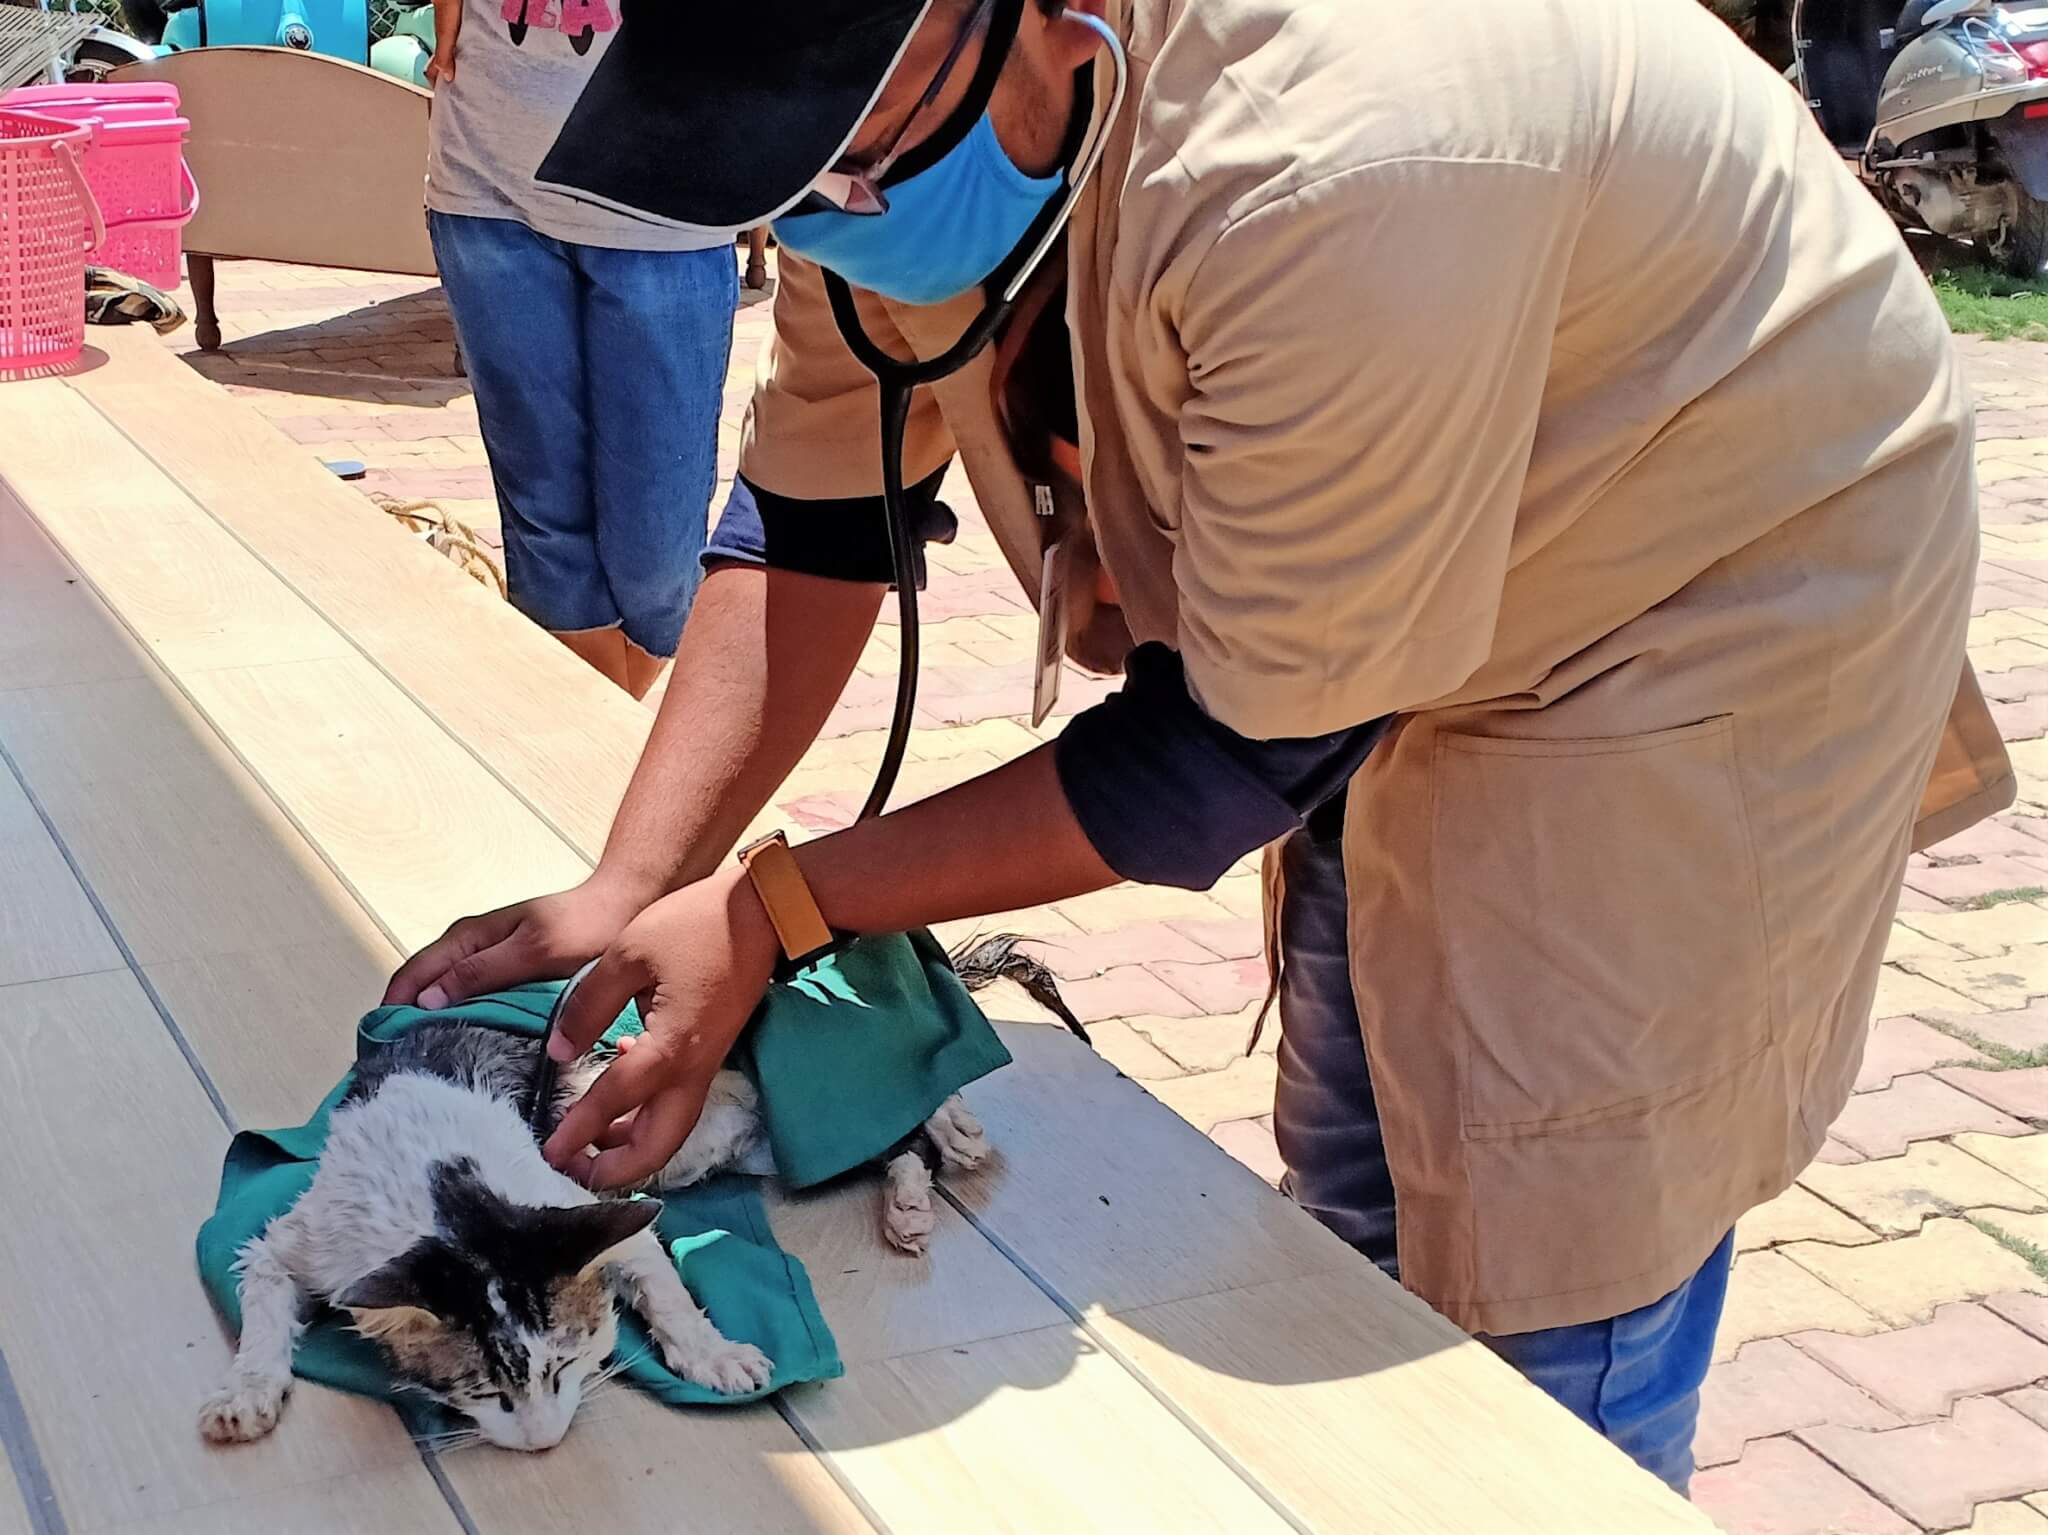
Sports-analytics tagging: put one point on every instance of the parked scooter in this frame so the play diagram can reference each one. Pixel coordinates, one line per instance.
(1943, 110)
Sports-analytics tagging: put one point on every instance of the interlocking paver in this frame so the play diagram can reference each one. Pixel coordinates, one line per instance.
(1090, 954)
(1901, 1046)
(1902, 991)
(1979, 934)
(1780, 1487)
(2022, 1094)
(1937, 1473)
(1903, 1280)
(2004, 981)
(1216, 985)
(2024, 1028)
(1769, 1296)
(2007, 1519)
(1797, 1216)
(1251, 1142)
(1235, 938)
(1983, 877)
(1915, 1108)
(2032, 1402)
(1243, 1090)
(1921, 1372)
(2029, 1313)
(1770, 1387)
(1209, 1042)
(1131, 1052)
(1127, 991)
(1895, 1194)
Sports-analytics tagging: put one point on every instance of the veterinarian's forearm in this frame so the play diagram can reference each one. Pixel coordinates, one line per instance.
(763, 659)
(995, 843)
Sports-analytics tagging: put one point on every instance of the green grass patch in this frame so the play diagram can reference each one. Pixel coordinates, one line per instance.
(1980, 302)
(1991, 898)
(2003, 1057)
(2035, 1255)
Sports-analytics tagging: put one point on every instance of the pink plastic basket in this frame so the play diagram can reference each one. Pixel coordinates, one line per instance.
(135, 167)
(48, 223)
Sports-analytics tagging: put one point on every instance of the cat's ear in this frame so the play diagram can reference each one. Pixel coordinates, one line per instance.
(389, 1300)
(581, 1237)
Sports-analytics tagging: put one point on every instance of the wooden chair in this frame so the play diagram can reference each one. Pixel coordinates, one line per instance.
(299, 158)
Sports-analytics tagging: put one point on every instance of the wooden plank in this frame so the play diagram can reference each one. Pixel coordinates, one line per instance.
(1354, 1403)
(390, 1500)
(632, 1464)
(560, 735)
(52, 628)
(880, 1302)
(274, 1026)
(13, 1511)
(1115, 1200)
(184, 849)
(112, 1152)
(1033, 1433)
(420, 830)
(47, 926)
(192, 595)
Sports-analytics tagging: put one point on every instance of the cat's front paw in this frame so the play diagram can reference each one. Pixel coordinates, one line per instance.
(731, 1369)
(243, 1411)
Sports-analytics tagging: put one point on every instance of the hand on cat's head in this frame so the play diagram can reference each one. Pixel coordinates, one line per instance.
(697, 962)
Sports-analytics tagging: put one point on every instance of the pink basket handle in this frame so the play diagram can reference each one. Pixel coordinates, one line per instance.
(176, 220)
(69, 156)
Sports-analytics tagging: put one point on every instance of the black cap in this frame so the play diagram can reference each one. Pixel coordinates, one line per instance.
(721, 115)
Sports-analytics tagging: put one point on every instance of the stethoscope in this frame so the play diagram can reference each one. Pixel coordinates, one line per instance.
(897, 380)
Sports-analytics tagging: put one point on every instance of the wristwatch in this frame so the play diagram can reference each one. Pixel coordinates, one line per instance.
(792, 910)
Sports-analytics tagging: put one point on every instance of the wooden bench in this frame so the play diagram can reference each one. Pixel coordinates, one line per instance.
(254, 743)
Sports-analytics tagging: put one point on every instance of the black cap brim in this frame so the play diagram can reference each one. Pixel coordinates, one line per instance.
(721, 116)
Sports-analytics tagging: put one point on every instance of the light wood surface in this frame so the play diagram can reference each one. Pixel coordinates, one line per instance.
(1037, 1432)
(387, 1500)
(48, 928)
(1124, 1331)
(110, 1153)
(564, 746)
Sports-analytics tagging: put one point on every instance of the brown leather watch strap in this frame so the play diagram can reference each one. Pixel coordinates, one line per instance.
(792, 909)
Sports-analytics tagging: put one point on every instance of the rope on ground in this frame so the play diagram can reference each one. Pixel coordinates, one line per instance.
(455, 539)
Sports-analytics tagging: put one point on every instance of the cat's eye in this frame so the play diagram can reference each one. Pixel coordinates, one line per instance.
(504, 1402)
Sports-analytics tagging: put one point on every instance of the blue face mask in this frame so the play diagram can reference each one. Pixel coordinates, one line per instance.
(947, 227)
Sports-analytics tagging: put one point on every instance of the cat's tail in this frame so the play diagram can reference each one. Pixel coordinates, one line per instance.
(999, 959)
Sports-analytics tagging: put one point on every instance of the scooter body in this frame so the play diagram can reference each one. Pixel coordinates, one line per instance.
(1942, 109)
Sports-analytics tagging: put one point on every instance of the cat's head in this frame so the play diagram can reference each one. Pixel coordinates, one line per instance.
(504, 1313)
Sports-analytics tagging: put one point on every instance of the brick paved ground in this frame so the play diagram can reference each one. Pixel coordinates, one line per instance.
(1884, 1363)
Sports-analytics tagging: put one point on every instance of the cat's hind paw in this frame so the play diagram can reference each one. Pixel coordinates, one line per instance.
(242, 1412)
(962, 1143)
(731, 1369)
(907, 1214)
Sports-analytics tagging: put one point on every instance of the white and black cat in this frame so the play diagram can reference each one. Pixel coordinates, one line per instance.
(488, 1278)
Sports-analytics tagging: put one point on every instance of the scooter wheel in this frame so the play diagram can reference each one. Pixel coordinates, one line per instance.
(2026, 245)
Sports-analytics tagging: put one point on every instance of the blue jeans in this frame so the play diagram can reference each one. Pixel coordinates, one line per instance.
(599, 375)
(1634, 1378)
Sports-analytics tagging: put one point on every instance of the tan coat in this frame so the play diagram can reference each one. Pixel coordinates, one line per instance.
(1561, 393)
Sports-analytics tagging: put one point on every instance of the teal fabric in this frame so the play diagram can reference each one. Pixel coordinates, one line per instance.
(850, 1055)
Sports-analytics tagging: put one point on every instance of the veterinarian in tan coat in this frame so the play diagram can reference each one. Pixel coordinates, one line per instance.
(1543, 432)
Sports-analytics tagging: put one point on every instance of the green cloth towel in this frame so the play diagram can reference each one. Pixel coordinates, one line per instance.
(850, 1055)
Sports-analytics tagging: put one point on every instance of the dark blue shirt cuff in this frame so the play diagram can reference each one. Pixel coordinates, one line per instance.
(845, 539)
(1168, 796)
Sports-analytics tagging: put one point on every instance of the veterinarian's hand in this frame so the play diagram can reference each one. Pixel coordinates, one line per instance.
(537, 940)
(698, 963)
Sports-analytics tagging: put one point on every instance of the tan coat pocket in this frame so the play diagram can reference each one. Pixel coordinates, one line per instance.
(1603, 922)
